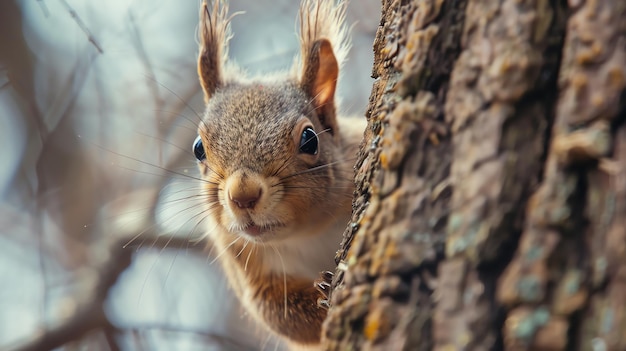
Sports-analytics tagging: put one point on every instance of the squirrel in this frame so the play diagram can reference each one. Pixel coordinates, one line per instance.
(277, 168)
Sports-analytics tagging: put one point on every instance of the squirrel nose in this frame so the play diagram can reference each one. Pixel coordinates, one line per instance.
(245, 200)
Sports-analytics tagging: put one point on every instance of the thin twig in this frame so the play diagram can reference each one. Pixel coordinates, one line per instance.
(44, 8)
(82, 26)
(109, 335)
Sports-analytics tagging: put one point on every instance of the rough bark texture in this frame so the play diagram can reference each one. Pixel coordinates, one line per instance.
(490, 212)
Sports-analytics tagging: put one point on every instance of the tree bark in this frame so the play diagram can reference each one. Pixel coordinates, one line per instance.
(490, 211)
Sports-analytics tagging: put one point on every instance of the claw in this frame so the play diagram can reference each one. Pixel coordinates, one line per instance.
(323, 286)
(327, 276)
(323, 303)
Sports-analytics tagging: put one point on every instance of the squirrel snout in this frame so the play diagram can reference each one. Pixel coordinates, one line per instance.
(245, 199)
(244, 190)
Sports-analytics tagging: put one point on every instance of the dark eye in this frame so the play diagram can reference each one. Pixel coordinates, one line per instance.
(308, 141)
(198, 149)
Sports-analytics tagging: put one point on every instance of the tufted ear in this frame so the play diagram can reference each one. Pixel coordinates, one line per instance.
(214, 33)
(320, 74)
(324, 44)
(321, 71)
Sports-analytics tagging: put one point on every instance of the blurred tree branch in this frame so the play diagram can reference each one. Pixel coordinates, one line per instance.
(90, 315)
(17, 59)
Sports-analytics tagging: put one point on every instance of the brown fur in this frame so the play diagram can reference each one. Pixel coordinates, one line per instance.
(298, 202)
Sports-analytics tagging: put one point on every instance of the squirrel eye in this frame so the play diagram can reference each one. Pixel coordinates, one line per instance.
(308, 141)
(198, 149)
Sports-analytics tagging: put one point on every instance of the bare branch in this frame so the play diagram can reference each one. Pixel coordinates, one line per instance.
(226, 342)
(168, 242)
(90, 316)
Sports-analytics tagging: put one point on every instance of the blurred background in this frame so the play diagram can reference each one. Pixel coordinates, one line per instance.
(99, 103)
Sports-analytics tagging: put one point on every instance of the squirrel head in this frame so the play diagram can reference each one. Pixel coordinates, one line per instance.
(269, 149)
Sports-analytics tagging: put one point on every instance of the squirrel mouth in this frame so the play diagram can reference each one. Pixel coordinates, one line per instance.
(253, 229)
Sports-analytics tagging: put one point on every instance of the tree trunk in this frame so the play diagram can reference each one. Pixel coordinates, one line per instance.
(490, 212)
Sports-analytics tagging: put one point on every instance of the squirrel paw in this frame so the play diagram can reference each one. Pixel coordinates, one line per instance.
(322, 284)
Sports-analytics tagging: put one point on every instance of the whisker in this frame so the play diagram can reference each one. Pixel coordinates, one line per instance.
(245, 267)
(145, 230)
(317, 135)
(169, 269)
(266, 342)
(145, 280)
(310, 102)
(207, 211)
(200, 195)
(178, 97)
(192, 206)
(225, 249)
(290, 160)
(313, 169)
(185, 117)
(282, 263)
(146, 163)
(243, 248)
(156, 213)
(134, 238)
(164, 141)
(276, 344)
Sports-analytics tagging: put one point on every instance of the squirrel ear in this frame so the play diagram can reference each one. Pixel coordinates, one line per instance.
(214, 35)
(320, 73)
(323, 46)
(319, 80)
